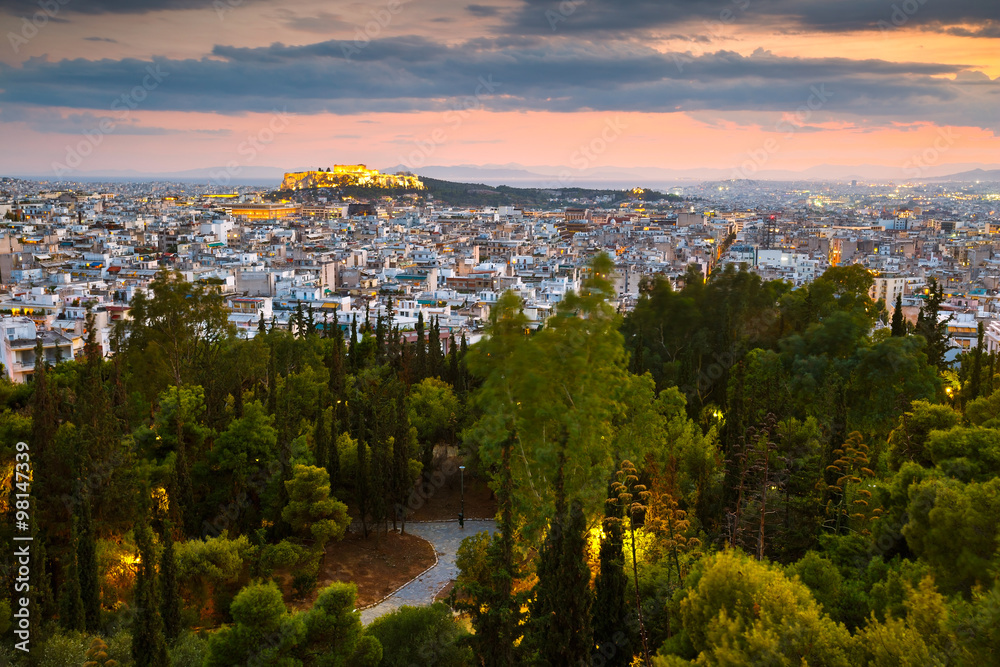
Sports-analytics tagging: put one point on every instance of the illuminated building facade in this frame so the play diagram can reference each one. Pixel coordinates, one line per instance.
(349, 175)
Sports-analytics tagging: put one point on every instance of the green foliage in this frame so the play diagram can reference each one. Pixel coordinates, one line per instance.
(149, 648)
(433, 412)
(954, 527)
(262, 632)
(311, 511)
(333, 632)
(740, 611)
(908, 441)
(188, 650)
(421, 636)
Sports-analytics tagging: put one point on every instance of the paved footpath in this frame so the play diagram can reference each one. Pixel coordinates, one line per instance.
(445, 537)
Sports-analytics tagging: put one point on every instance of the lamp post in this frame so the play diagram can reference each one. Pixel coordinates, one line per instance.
(461, 512)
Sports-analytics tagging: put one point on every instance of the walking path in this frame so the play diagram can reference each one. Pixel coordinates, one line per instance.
(445, 537)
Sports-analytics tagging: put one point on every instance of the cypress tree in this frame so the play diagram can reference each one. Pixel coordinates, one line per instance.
(148, 646)
(453, 369)
(610, 609)
(321, 438)
(272, 382)
(933, 328)
(975, 382)
(352, 344)
(261, 325)
(898, 323)
(420, 352)
(494, 606)
(170, 604)
(362, 486)
(401, 461)
(71, 612)
(574, 632)
(434, 353)
(86, 563)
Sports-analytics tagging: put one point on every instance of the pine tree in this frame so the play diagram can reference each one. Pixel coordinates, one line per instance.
(148, 646)
(86, 563)
(610, 607)
(898, 323)
(170, 603)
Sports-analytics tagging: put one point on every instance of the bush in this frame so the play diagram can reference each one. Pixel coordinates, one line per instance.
(188, 651)
(421, 636)
(63, 648)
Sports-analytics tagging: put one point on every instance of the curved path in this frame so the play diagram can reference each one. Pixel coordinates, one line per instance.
(445, 537)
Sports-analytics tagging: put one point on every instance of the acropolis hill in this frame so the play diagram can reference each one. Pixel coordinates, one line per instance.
(348, 175)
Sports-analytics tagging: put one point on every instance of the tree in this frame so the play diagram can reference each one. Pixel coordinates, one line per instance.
(932, 327)
(561, 631)
(898, 322)
(311, 510)
(72, 614)
(170, 602)
(743, 612)
(421, 636)
(433, 409)
(333, 632)
(630, 496)
(148, 646)
(954, 527)
(263, 632)
(610, 610)
(86, 564)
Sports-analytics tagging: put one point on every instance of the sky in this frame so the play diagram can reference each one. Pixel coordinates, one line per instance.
(744, 86)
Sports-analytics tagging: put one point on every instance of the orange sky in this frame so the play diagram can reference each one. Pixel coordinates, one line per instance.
(743, 140)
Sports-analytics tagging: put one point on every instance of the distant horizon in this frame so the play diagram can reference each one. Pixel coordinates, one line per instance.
(540, 176)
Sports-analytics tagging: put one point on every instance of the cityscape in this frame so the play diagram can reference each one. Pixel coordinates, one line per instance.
(566, 332)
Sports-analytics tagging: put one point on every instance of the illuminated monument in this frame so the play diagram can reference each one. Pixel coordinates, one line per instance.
(348, 175)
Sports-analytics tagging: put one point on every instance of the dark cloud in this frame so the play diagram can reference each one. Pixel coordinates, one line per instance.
(709, 16)
(989, 30)
(101, 39)
(483, 10)
(28, 7)
(52, 122)
(414, 74)
(322, 23)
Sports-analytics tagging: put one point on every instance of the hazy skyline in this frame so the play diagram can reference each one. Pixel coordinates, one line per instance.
(746, 87)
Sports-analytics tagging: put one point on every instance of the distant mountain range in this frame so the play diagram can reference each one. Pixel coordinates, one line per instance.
(553, 176)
